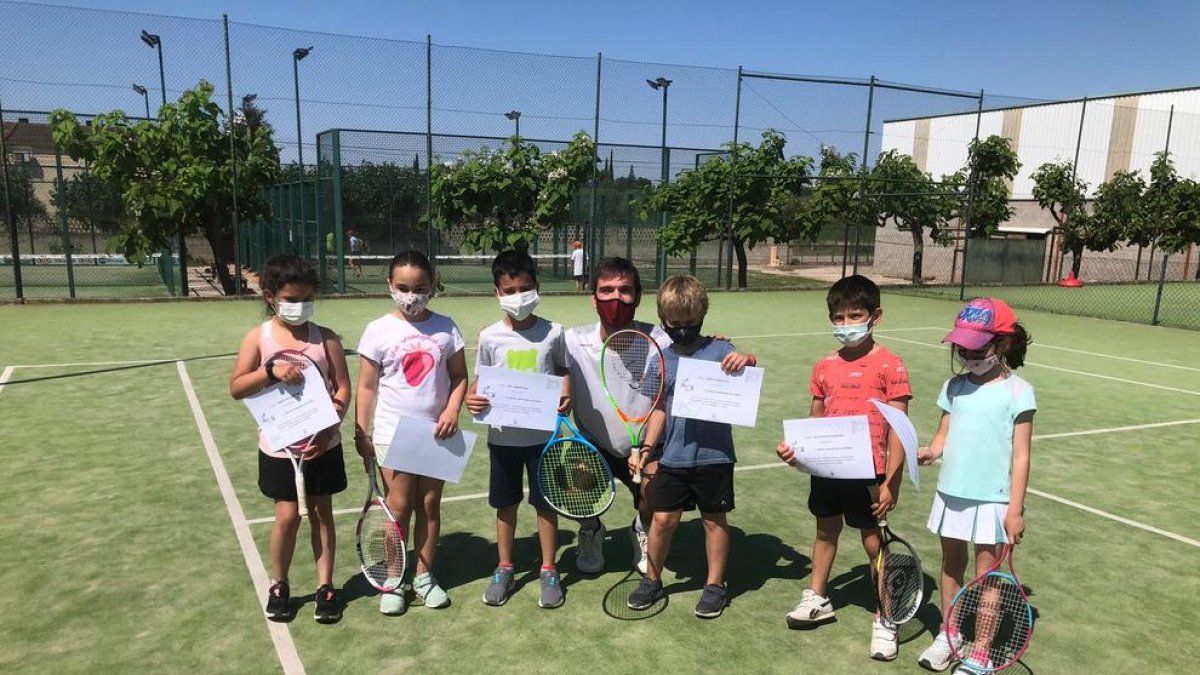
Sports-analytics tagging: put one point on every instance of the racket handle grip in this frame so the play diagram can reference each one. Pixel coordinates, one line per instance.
(301, 498)
(637, 456)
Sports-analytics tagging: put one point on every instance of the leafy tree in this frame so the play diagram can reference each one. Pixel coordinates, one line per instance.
(991, 165)
(504, 197)
(1058, 190)
(767, 191)
(373, 192)
(1172, 207)
(24, 202)
(832, 203)
(1119, 209)
(175, 172)
(91, 202)
(908, 197)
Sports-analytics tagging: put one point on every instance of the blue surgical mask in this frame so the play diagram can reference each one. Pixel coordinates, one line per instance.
(852, 334)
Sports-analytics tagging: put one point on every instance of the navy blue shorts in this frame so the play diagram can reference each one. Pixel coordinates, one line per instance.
(851, 499)
(325, 475)
(509, 466)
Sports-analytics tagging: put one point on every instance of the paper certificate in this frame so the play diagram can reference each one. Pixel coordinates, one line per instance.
(414, 450)
(288, 414)
(518, 399)
(704, 392)
(832, 447)
(907, 434)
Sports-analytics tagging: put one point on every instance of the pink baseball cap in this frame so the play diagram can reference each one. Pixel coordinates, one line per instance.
(980, 321)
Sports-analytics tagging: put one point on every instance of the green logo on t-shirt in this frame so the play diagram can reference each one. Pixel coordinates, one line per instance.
(524, 360)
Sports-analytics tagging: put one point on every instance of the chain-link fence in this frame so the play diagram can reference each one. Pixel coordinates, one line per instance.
(360, 121)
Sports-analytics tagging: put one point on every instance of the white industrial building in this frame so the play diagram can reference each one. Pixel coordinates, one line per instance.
(1104, 135)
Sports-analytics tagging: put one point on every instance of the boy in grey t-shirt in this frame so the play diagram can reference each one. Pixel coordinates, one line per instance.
(526, 342)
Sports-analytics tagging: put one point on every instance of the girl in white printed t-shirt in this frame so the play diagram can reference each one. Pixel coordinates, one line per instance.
(412, 365)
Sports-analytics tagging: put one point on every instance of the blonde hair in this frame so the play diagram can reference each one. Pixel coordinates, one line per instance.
(682, 296)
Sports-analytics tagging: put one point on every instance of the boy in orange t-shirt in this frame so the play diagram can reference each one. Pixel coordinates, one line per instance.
(842, 385)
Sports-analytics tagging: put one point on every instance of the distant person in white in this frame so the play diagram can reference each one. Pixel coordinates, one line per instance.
(577, 265)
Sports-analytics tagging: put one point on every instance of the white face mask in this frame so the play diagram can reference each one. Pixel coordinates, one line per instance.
(852, 334)
(410, 304)
(294, 313)
(979, 367)
(519, 305)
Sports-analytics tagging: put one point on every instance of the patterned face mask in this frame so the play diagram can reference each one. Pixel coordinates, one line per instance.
(979, 367)
(410, 304)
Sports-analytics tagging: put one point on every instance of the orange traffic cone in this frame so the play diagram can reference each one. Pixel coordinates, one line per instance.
(1070, 282)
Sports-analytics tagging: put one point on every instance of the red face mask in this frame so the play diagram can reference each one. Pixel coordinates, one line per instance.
(614, 313)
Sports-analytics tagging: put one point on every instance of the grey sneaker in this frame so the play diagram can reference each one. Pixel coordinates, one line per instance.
(502, 586)
(712, 602)
(589, 558)
(648, 592)
(552, 593)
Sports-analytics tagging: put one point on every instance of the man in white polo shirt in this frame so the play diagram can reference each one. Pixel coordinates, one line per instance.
(616, 293)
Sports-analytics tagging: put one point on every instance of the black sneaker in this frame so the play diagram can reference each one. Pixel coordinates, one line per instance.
(329, 610)
(277, 602)
(648, 592)
(712, 602)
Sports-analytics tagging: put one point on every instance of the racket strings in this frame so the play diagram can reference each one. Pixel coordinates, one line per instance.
(634, 373)
(574, 479)
(993, 619)
(383, 548)
(901, 584)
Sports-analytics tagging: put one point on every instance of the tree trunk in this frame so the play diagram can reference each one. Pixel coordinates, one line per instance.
(739, 248)
(918, 256)
(221, 243)
(1076, 260)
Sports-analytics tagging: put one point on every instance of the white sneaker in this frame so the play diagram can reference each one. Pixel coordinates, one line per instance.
(883, 640)
(641, 558)
(975, 666)
(938, 656)
(813, 610)
(589, 558)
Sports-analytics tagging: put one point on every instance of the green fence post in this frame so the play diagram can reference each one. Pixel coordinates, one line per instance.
(62, 219)
(339, 233)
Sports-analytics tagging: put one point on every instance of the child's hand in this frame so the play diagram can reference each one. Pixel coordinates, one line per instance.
(319, 445)
(447, 425)
(735, 361)
(636, 465)
(564, 405)
(786, 453)
(477, 404)
(886, 502)
(925, 457)
(1014, 526)
(364, 446)
(287, 373)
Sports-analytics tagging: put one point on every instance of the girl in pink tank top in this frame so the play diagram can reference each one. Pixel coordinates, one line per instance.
(289, 285)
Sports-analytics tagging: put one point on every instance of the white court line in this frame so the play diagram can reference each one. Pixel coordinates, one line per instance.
(1119, 519)
(1074, 372)
(5, 375)
(1039, 345)
(340, 512)
(285, 648)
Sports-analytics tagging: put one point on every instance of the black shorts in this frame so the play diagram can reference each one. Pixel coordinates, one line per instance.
(505, 478)
(709, 488)
(828, 497)
(325, 475)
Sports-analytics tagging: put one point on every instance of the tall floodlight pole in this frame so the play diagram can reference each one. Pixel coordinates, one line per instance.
(662, 84)
(145, 94)
(515, 116)
(298, 56)
(155, 42)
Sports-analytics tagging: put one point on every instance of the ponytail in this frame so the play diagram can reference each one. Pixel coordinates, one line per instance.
(1012, 347)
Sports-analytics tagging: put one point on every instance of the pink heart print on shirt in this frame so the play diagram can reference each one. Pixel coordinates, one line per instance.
(416, 367)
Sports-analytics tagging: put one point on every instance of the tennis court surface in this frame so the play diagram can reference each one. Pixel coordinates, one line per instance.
(134, 533)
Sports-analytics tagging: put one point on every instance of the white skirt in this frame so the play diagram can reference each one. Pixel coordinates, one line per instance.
(968, 519)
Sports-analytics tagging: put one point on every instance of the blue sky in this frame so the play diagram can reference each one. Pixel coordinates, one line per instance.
(1040, 50)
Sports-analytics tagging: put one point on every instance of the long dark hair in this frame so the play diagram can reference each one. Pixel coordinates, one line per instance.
(1012, 347)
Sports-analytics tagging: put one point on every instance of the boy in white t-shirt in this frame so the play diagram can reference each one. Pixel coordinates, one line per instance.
(577, 265)
(526, 342)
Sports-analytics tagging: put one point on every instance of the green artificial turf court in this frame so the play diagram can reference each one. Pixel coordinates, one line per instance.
(121, 552)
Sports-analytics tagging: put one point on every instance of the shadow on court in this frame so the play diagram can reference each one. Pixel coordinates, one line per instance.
(754, 559)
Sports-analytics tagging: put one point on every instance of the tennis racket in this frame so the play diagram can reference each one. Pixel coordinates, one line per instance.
(990, 621)
(631, 369)
(573, 476)
(380, 539)
(899, 579)
(295, 451)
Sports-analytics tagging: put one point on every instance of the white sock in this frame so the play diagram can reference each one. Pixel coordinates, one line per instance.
(637, 524)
